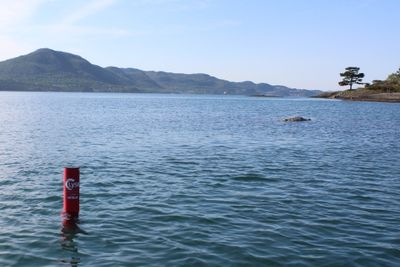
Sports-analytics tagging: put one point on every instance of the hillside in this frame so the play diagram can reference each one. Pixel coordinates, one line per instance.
(49, 70)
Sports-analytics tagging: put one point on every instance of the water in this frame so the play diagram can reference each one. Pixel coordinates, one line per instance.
(176, 180)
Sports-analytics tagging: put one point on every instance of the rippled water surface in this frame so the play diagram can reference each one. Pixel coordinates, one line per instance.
(177, 180)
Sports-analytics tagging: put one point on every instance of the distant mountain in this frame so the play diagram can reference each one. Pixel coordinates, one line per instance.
(49, 70)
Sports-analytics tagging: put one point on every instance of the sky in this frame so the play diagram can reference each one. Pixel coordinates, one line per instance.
(297, 43)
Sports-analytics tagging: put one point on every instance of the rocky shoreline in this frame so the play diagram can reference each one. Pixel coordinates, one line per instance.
(362, 95)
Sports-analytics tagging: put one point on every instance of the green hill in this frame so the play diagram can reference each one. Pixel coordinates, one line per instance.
(49, 70)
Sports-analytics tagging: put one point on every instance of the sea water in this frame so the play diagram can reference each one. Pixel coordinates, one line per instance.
(194, 180)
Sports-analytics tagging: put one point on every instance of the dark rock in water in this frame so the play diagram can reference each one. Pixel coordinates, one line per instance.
(297, 118)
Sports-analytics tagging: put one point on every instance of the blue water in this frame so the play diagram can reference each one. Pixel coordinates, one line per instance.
(181, 180)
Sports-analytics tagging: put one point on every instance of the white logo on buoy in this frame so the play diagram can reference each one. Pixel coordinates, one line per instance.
(70, 184)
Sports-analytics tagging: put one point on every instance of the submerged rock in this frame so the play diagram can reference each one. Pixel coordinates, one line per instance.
(297, 118)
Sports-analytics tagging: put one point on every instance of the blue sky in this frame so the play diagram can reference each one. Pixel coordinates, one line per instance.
(297, 43)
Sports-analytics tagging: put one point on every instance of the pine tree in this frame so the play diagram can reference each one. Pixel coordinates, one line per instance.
(351, 76)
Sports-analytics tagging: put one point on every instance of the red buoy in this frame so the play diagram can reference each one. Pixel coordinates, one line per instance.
(71, 192)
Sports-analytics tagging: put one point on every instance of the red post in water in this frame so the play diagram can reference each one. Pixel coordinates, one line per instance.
(71, 192)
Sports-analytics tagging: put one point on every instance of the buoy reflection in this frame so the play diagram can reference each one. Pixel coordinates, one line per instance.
(70, 229)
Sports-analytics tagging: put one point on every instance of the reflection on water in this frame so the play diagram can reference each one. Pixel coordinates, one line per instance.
(69, 231)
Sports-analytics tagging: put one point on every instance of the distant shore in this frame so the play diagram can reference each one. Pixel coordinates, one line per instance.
(264, 95)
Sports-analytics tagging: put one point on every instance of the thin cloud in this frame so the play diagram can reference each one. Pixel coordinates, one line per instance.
(13, 15)
(175, 5)
(72, 26)
(14, 12)
(87, 10)
(84, 30)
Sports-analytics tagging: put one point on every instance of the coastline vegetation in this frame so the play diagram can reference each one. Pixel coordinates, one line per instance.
(387, 90)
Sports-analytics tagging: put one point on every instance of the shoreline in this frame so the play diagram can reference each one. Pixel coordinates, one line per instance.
(356, 95)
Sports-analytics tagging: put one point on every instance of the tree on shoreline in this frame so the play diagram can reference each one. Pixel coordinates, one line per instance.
(390, 85)
(351, 76)
(394, 77)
